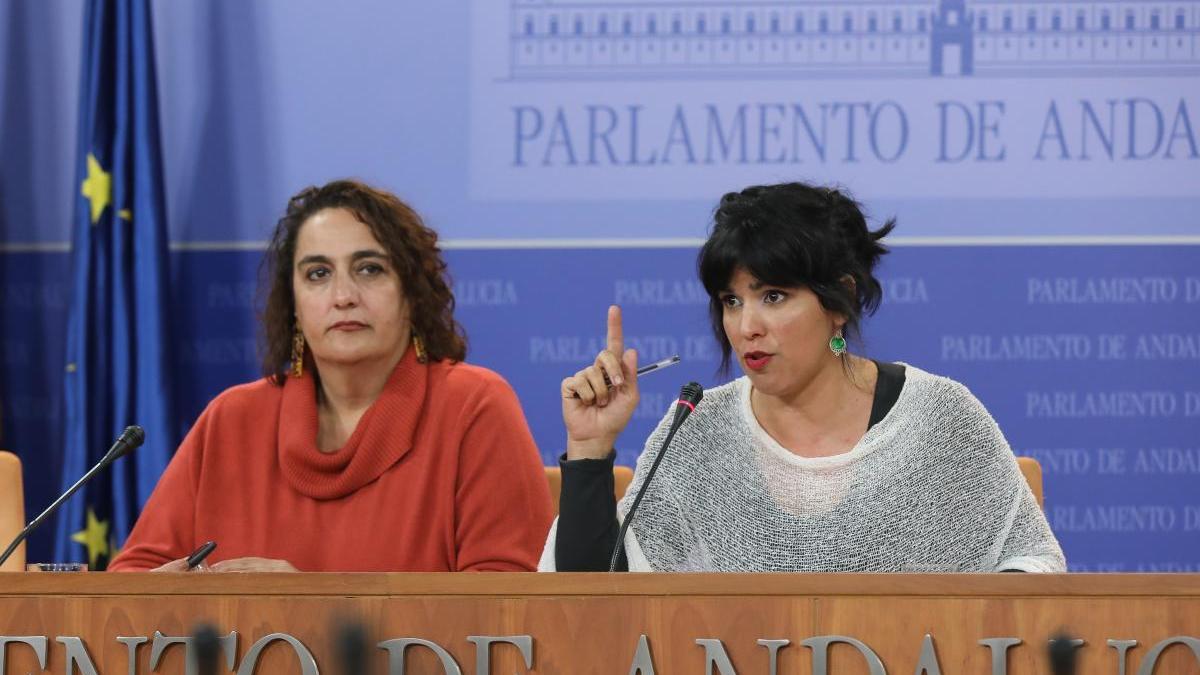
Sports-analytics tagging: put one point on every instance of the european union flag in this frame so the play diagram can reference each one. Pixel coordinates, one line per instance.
(118, 355)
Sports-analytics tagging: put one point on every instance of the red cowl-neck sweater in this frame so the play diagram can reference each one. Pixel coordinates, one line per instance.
(440, 474)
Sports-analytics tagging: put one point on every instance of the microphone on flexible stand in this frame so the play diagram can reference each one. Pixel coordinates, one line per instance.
(689, 398)
(127, 442)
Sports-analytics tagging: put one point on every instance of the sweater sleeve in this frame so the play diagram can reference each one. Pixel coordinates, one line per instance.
(165, 530)
(1025, 542)
(502, 501)
(1030, 545)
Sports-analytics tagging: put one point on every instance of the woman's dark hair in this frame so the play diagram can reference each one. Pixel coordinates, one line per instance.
(414, 254)
(792, 235)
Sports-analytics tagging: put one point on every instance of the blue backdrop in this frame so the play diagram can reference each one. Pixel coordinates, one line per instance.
(1041, 159)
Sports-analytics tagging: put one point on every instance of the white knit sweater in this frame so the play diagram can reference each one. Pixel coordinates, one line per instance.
(933, 487)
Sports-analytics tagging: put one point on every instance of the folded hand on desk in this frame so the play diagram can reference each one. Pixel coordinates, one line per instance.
(232, 565)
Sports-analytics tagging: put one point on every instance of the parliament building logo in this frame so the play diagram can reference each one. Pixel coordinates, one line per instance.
(570, 39)
(945, 101)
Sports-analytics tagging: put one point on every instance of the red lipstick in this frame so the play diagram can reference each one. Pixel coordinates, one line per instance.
(756, 360)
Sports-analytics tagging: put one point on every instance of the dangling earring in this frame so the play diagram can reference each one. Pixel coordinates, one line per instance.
(419, 347)
(837, 343)
(298, 353)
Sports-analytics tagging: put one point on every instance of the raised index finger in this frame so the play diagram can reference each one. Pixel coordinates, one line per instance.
(616, 335)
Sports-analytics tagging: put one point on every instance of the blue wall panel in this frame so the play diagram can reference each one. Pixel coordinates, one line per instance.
(519, 127)
(1086, 356)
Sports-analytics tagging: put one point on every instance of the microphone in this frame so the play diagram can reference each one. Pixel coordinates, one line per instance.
(127, 442)
(352, 649)
(1062, 655)
(689, 398)
(208, 649)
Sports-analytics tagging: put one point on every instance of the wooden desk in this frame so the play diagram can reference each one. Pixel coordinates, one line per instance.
(592, 623)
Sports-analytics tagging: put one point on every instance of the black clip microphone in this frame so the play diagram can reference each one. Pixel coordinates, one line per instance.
(129, 440)
(689, 398)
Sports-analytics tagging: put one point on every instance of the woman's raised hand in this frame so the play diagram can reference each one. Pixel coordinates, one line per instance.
(594, 412)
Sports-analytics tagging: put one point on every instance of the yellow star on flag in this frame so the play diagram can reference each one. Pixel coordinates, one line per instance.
(95, 537)
(97, 187)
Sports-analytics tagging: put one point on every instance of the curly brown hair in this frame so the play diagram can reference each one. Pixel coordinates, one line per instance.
(414, 254)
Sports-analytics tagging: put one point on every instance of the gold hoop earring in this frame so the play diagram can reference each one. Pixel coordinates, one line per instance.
(419, 347)
(298, 353)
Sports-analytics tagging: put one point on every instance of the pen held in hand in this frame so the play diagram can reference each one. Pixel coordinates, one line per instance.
(649, 368)
(197, 557)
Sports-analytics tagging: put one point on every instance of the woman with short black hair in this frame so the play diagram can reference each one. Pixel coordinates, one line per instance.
(817, 459)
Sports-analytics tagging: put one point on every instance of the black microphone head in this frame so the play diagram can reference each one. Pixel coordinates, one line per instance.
(689, 398)
(352, 648)
(1062, 655)
(208, 649)
(129, 440)
(133, 436)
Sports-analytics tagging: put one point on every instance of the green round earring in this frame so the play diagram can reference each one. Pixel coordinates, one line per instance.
(837, 344)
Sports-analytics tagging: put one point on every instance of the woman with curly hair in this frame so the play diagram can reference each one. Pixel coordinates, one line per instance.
(369, 445)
